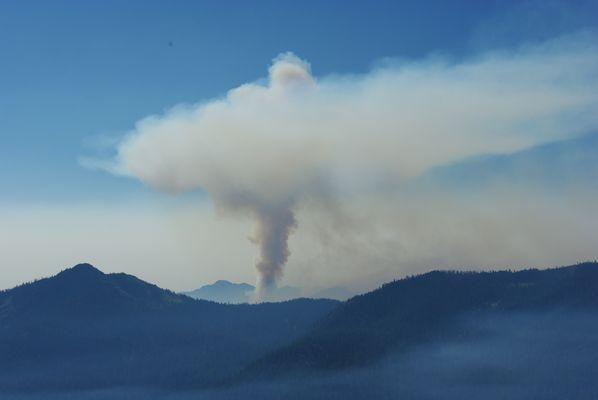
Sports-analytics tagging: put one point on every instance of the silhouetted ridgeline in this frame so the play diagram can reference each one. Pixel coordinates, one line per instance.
(424, 308)
(441, 335)
(85, 329)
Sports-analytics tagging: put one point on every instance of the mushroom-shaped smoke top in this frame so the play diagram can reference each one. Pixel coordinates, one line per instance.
(235, 151)
(266, 147)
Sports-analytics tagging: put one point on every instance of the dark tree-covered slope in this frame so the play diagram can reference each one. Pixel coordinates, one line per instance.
(83, 328)
(424, 308)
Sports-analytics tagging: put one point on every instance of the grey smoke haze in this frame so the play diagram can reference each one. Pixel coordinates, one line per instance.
(267, 150)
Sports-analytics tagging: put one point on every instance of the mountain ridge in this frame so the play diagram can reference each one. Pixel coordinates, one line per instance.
(82, 328)
(148, 336)
(84, 289)
(224, 291)
(412, 310)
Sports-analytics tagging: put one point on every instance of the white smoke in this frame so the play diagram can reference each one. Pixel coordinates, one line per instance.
(263, 149)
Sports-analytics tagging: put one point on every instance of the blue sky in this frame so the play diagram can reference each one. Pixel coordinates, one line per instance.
(75, 77)
(72, 71)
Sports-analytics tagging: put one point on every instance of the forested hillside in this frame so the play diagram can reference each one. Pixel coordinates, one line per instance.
(85, 329)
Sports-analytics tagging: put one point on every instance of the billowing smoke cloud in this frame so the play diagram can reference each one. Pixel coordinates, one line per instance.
(266, 148)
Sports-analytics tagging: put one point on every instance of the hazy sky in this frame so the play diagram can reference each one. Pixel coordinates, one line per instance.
(76, 77)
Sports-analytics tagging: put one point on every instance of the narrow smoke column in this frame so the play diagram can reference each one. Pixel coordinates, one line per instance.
(274, 225)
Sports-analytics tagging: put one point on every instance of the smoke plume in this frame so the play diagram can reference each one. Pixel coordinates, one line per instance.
(267, 147)
(274, 225)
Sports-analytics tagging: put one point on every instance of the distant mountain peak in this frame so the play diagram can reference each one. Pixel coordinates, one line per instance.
(224, 282)
(82, 271)
(223, 291)
(85, 267)
(85, 290)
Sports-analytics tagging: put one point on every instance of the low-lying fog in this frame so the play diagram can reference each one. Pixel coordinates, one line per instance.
(522, 356)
